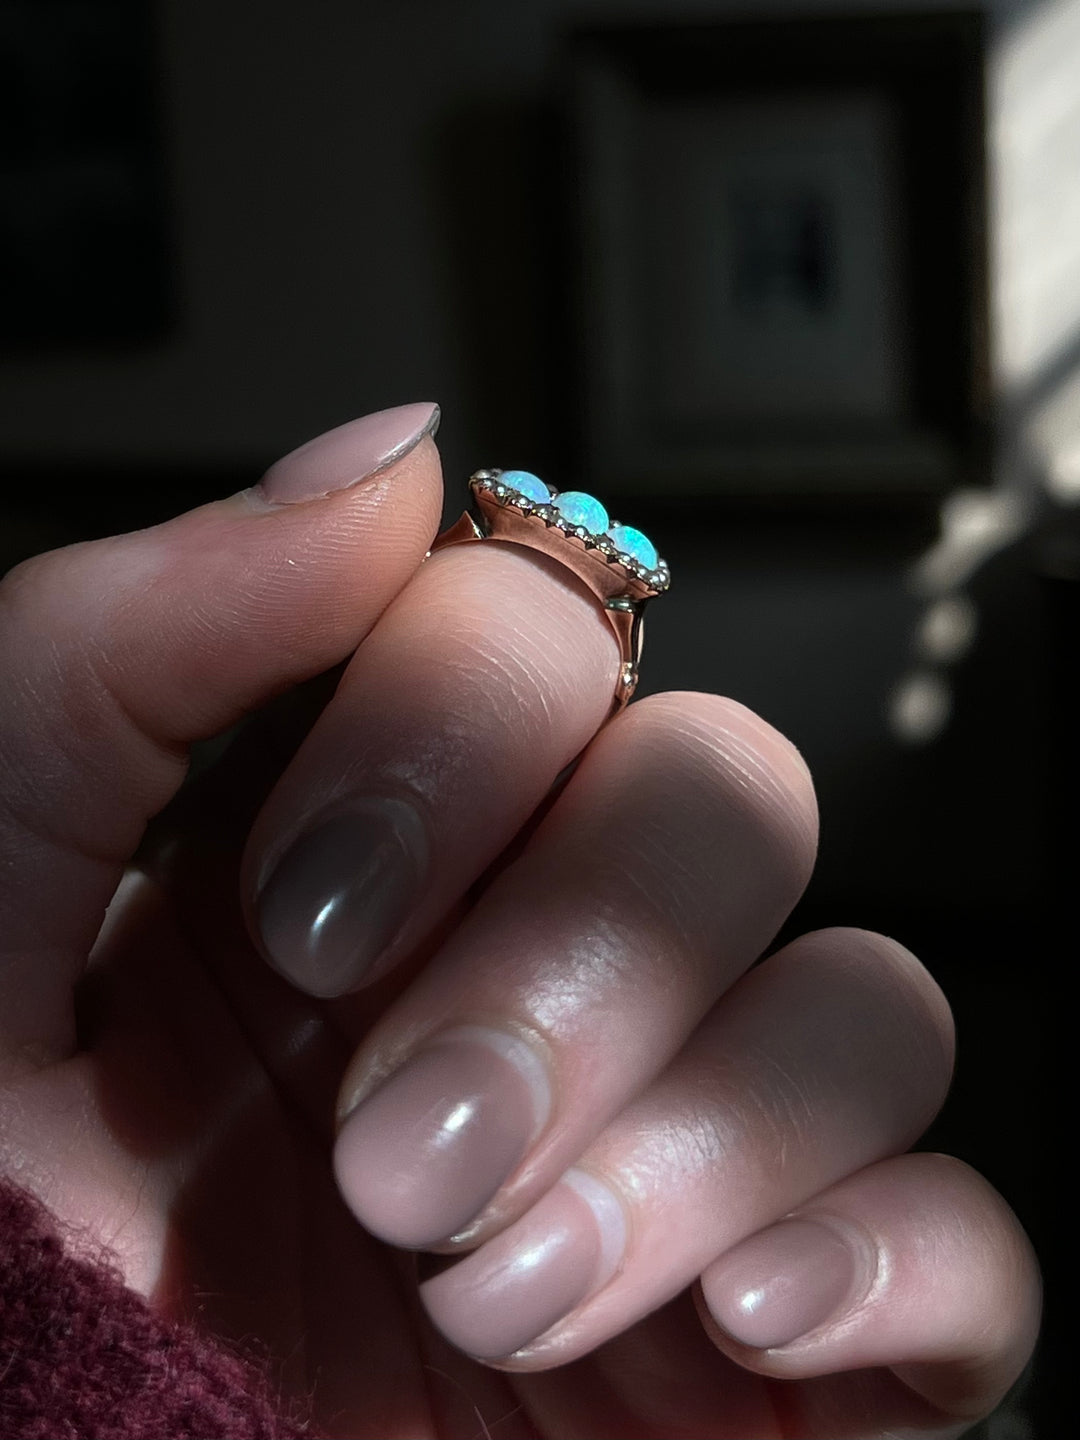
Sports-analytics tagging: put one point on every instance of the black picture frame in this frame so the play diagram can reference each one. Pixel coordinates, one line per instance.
(780, 254)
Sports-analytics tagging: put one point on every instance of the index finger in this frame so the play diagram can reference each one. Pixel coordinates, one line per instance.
(487, 675)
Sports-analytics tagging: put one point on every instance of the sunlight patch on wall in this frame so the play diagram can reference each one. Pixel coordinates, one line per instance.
(1035, 146)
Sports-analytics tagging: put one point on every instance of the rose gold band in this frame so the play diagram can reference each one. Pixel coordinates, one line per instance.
(621, 586)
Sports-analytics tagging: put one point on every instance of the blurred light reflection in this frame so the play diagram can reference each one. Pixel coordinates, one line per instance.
(946, 630)
(975, 524)
(920, 707)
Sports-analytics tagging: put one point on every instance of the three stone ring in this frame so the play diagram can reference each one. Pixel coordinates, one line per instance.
(616, 562)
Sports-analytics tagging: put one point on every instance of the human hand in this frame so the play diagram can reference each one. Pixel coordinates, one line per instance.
(681, 1180)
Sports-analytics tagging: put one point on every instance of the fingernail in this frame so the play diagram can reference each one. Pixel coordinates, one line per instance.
(339, 896)
(421, 1157)
(781, 1284)
(517, 1286)
(347, 455)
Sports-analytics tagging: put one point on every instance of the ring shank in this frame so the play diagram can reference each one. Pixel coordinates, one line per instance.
(622, 609)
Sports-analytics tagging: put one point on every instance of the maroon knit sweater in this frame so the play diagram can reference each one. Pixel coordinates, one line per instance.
(84, 1358)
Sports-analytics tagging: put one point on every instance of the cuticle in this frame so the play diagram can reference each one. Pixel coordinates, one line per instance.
(473, 1235)
(865, 1287)
(614, 1188)
(346, 805)
(533, 1041)
(520, 1359)
(427, 1040)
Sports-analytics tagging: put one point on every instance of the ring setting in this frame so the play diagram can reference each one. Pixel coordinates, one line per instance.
(577, 514)
(618, 563)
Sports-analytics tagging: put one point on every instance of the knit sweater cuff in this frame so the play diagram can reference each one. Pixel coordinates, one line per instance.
(82, 1357)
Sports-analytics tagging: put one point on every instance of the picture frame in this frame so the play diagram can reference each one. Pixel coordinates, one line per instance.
(780, 255)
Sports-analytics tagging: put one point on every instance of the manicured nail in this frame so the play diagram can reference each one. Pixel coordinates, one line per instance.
(339, 896)
(347, 455)
(781, 1284)
(420, 1158)
(517, 1286)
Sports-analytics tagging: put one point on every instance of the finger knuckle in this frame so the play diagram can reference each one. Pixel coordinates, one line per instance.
(736, 758)
(900, 985)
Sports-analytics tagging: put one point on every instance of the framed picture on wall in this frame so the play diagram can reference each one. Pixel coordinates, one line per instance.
(780, 256)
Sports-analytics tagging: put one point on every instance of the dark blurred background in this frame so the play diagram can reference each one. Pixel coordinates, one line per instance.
(797, 291)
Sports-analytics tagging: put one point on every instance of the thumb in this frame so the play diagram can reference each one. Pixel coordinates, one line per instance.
(119, 653)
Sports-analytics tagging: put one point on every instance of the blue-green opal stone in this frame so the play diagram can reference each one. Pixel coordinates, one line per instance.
(527, 484)
(633, 542)
(577, 508)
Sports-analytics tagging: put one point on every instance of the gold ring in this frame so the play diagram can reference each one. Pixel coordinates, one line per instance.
(616, 562)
